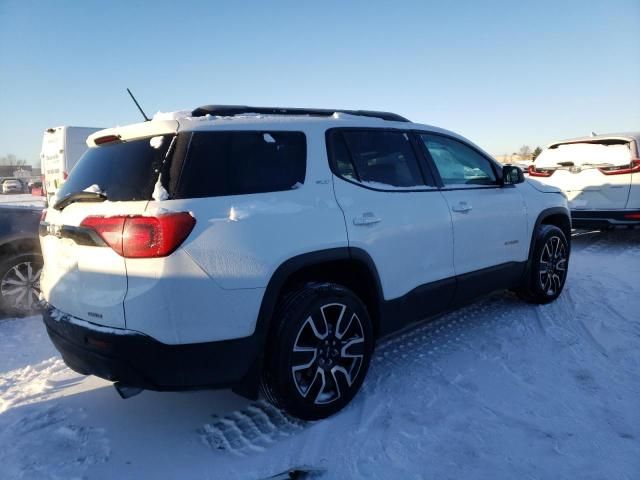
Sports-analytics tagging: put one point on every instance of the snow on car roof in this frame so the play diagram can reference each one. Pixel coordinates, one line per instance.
(164, 123)
(630, 136)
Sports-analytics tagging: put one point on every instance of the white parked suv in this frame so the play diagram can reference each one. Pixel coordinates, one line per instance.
(599, 174)
(12, 185)
(248, 247)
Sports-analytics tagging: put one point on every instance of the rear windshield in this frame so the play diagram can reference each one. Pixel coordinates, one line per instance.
(124, 171)
(236, 163)
(585, 154)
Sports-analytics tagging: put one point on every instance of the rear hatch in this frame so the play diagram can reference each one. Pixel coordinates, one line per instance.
(115, 178)
(595, 175)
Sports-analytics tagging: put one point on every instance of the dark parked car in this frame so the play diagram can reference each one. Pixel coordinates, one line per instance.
(20, 260)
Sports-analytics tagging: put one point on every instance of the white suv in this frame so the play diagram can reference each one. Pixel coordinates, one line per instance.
(600, 176)
(243, 247)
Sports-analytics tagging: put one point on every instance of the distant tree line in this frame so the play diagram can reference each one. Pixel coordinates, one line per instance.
(10, 160)
(524, 153)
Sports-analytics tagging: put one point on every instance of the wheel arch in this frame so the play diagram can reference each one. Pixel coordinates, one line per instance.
(347, 266)
(16, 244)
(557, 216)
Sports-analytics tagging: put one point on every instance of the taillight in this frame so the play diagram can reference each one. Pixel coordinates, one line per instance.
(633, 167)
(65, 175)
(137, 236)
(632, 216)
(539, 172)
(156, 236)
(109, 228)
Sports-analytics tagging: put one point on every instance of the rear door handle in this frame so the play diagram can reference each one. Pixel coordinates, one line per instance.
(462, 207)
(367, 218)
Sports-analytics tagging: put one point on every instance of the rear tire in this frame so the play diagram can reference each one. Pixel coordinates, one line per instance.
(20, 284)
(547, 272)
(319, 351)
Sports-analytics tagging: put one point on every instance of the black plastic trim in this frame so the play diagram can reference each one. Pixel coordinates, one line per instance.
(140, 361)
(231, 110)
(481, 282)
(420, 303)
(542, 216)
(80, 235)
(603, 218)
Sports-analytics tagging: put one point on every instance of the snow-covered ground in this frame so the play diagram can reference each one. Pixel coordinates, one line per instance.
(499, 389)
(22, 199)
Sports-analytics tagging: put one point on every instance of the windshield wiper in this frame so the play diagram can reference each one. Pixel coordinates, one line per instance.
(80, 197)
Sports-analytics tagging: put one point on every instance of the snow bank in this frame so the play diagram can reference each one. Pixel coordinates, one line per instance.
(22, 200)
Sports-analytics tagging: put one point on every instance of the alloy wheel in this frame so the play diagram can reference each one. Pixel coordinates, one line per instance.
(328, 353)
(553, 266)
(20, 286)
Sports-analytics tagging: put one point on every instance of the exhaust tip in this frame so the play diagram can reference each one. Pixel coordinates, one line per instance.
(126, 391)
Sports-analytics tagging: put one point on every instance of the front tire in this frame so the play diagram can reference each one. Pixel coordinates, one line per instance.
(547, 272)
(319, 351)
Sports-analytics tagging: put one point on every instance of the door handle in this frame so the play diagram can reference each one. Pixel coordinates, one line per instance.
(462, 207)
(367, 218)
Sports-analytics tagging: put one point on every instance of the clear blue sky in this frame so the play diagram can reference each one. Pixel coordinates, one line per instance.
(501, 73)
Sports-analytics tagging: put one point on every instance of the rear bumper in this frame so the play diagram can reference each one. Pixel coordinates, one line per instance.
(604, 218)
(140, 361)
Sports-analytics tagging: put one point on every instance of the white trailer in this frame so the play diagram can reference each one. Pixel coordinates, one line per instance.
(61, 149)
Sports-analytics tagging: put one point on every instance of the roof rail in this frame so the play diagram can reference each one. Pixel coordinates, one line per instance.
(231, 110)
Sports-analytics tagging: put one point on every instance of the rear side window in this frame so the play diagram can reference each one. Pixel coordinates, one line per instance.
(237, 163)
(124, 171)
(376, 158)
(457, 163)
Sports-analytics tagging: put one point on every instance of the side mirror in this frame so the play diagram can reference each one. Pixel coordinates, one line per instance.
(512, 175)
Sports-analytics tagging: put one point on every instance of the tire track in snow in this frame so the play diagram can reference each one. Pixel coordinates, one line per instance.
(250, 430)
(258, 426)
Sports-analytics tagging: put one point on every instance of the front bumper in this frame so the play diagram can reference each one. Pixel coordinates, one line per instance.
(138, 360)
(604, 218)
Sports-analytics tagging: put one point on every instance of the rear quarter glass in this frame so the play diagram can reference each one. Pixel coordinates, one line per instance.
(124, 171)
(236, 163)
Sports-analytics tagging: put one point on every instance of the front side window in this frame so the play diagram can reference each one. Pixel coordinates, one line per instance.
(457, 163)
(376, 158)
(237, 163)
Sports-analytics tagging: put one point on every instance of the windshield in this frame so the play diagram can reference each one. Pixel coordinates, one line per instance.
(124, 171)
(584, 154)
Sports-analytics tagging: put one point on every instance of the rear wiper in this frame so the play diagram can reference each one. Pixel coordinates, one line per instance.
(80, 197)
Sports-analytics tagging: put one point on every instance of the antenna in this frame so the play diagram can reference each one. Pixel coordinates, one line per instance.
(146, 119)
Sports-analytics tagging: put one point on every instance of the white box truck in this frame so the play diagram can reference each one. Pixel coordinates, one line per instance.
(61, 149)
